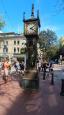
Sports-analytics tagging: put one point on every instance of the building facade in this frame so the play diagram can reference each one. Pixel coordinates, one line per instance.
(12, 45)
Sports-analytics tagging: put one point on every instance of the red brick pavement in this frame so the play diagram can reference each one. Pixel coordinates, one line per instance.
(46, 101)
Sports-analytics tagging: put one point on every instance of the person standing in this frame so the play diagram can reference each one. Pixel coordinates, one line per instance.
(44, 69)
(6, 66)
(17, 66)
(22, 67)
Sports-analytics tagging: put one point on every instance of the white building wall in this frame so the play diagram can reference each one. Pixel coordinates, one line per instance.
(11, 46)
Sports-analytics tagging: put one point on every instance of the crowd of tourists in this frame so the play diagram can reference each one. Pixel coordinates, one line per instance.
(43, 65)
(7, 67)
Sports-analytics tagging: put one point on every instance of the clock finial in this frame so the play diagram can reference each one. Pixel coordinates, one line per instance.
(32, 13)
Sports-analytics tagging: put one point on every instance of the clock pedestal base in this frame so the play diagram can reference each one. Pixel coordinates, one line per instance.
(30, 80)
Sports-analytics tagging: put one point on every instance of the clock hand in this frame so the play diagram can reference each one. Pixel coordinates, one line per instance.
(33, 26)
(33, 29)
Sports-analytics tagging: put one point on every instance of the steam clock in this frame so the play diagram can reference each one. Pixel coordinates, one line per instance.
(31, 27)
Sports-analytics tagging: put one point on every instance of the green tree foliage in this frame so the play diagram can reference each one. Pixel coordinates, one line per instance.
(61, 41)
(61, 46)
(52, 52)
(2, 23)
(47, 40)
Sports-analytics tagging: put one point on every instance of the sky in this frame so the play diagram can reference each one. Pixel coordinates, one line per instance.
(51, 15)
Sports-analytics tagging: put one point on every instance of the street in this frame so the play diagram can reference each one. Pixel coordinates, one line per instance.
(44, 101)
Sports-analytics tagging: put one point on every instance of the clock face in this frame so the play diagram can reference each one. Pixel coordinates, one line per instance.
(31, 28)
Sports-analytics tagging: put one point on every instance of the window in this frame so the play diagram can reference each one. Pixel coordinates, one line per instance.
(18, 42)
(6, 50)
(18, 50)
(14, 42)
(14, 50)
(22, 43)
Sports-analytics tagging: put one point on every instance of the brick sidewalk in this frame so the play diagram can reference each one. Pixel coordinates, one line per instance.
(45, 101)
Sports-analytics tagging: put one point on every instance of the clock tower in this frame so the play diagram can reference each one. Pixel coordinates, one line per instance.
(31, 28)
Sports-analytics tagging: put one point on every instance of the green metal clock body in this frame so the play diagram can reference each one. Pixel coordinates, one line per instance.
(31, 33)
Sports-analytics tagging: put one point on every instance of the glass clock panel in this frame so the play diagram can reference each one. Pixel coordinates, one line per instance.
(31, 28)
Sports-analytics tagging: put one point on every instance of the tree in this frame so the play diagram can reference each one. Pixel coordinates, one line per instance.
(47, 41)
(61, 46)
(2, 23)
(47, 38)
(61, 41)
(52, 52)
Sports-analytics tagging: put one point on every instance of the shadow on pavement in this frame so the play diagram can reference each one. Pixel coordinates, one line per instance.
(45, 101)
(26, 103)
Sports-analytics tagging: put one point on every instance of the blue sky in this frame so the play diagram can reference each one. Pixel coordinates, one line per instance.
(51, 16)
